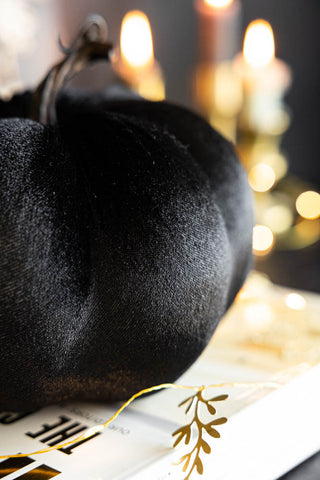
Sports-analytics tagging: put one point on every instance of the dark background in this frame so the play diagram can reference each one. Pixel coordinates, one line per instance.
(174, 27)
(296, 29)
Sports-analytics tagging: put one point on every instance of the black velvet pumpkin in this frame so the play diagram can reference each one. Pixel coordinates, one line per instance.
(125, 234)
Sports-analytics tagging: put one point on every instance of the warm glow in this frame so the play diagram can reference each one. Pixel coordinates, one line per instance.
(295, 301)
(308, 205)
(262, 239)
(258, 316)
(278, 162)
(218, 3)
(279, 218)
(262, 177)
(226, 89)
(136, 40)
(18, 25)
(258, 47)
(308, 231)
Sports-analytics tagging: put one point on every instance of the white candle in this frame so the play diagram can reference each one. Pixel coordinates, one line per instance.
(136, 64)
(265, 79)
(218, 29)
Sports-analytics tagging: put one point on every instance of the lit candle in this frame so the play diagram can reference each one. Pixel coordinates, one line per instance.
(216, 88)
(218, 30)
(136, 64)
(265, 80)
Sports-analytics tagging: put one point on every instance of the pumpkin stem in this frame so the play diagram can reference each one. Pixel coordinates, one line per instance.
(89, 45)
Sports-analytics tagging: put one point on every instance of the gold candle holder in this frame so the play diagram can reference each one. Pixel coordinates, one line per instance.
(217, 95)
(283, 222)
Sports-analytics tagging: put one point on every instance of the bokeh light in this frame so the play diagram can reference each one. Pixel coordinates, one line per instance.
(258, 316)
(295, 301)
(261, 177)
(308, 205)
(262, 240)
(279, 218)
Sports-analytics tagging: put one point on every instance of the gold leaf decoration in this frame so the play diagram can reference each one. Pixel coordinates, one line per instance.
(192, 459)
(182, 432)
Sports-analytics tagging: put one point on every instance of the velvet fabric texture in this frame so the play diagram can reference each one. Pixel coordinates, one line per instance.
(125, 235)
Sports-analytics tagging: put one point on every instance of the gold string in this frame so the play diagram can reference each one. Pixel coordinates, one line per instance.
(98, 428)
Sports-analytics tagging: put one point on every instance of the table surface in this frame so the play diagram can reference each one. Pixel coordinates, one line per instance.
(299, 270)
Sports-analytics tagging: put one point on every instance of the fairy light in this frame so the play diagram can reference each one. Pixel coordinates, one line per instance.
(279, 218)
(295, 301)
(258, 47)
(262, 239)
(93, 430)
(276, 160)
(258, 316)
(98, 428)
(308, 205)
(262, 177)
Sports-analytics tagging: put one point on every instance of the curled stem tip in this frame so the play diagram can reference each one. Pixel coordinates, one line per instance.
(89, 45)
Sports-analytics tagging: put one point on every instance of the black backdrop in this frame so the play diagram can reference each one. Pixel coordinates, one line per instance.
(296, 27)
(174, 26)
(295, 24)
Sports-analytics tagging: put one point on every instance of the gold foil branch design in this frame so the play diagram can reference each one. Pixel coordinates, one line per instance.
(98, 428)
(195, 402)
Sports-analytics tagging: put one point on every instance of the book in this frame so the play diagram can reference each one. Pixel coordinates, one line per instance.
(266, 349)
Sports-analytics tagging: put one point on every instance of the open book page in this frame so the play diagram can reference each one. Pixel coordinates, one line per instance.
(269, 340)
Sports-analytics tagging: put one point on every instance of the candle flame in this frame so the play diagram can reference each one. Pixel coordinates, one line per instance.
(258, 47)
(218, 3)
(136, 40)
